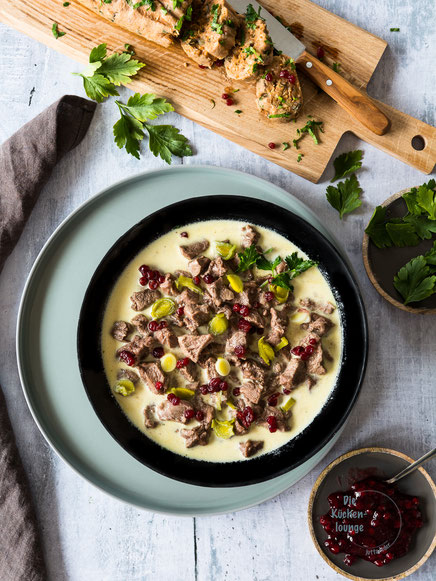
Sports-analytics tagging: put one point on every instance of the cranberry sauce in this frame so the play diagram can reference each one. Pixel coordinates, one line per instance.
(372, 520)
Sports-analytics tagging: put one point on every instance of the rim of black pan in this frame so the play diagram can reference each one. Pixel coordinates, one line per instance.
(354, 349)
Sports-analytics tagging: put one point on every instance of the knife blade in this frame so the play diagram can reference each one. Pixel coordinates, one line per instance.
(357, 104)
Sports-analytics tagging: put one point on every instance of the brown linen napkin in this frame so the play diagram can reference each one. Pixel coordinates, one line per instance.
(26, 162)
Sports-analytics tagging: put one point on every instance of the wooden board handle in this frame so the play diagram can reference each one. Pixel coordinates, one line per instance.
(409, 140)
(357, 104)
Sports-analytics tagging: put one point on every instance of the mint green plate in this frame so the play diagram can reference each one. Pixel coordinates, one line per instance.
(46, 340)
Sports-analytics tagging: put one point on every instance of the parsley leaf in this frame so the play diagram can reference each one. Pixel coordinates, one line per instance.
(426, 198)
(414, 281)
(265, 264)
(422, 225)
(251, 16)
(98, 53)
(216, 25)
(56, 32)
(283, 280)
(347, 163)
(430, 256)
(166, 140)
(311, 128)
(119, 68)
(298, 265)
(128, 133)
(376, 228)
(248, 258)
(402, 234)
(146, 107)
(98, 87)
(346, 196)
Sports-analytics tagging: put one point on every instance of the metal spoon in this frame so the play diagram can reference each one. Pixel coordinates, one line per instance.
(412, 467)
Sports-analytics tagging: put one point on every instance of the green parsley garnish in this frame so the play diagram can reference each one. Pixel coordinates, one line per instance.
(238, 111)
(295, 266)
(336, 67)
(177, 4)
(129, 49)
(251, 16)
(178, 25)
(311, 128)
(394, 29)
(65, 4)
(216, 25)
(285, 145)
(213, 103)
(347, 163)
(346, 196)
(164, 140)
(104, 72)
(279, 115)
(418, 223)
(416, 280)
(57, 33)
(299, 157)
(149, 3)
(248, 258)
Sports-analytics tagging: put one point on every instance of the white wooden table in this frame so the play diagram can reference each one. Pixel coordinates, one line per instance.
(88, 535)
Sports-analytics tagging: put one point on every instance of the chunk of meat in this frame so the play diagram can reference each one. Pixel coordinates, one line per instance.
(128, 374)
(190, 251)
(236, 339)
(198, 265)
(196, 315)
(253, 49)
(151, 373)
(251, 392)
(252, 370)
(278, 98)
(139, 346)
(211, 371)
(255, 319)
(239, 428)
(193, 345)
(149, 417)
(168, 287)
(218, 293)
(315, 362)
(188, 297)
(211, 33)
(319, 325)
(166, 337)
(208, 411)
(120, 330)
(141, 323)
(226, 310)
(168, 412)
(294, 374)
(143, 299)
(282, 418)
(197, 436)
(190, 372)
(217, 267)
(250, 447)
(278, 322)
(134, 20)
(249, 295)
(250, 236)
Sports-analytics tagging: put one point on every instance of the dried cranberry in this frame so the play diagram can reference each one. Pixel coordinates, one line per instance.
(269, 296)
(199, 415)
(268, 77)
(225, 96)
(179, 364)
(271, 145)
(196, 280)
(202, 67)
(283, 74)
(184, 234)
(244, 311)
(203, 389)
(299, 350)
(161, 279)
(286, 391)
(236, 307)
(320, 52)
(153, 274)
(240, 351)
(273, 399)
(349, 560)
(208, 278)
(158, 352)
(219, 63)
(292, 79)
(224, 386)
(272, 424)
(143, 269)
(189, 414)
(305, 356)
(170, 397)
(215, 382)
(153, 326)
(229, 102)
(153, 284)
(313, 341)
(143, 281)
(163, 325)
(309, 349)
(244, 325)
(159, 386)
(127, 357)
(236, 391)
(175, 400)
(180, 311)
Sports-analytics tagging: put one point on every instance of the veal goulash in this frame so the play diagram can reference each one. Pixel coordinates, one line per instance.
(221, 340)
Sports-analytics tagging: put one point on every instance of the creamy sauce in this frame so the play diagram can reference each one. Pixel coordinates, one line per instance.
(164, 254)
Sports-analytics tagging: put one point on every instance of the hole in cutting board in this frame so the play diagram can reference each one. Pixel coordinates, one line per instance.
(418, 142)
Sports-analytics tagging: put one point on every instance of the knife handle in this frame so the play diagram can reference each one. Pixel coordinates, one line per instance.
(358, 105)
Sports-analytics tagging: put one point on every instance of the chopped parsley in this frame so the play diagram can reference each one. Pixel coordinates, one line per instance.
(56, 32)
(394, 29)
(213, 103)
(299, 157)
(251, 16)
(178, 25)
(285, 145)
(238, 111)
(177, 4)
(336, 67)
(129, 49)
(295, 266)
(216, 25)
(279, 115)
(65, 4)
(248, 258)
(311, 128)
(418, 223)
(347, 163)
(346, 196)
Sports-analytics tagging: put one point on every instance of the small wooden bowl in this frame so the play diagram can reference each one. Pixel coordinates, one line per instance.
(384, 463)
(381, 264)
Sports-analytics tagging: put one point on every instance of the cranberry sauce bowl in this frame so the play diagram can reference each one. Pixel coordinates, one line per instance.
(110, 398)
(368, 529)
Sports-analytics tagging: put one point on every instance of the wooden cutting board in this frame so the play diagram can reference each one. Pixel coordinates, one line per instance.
(193, 91)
